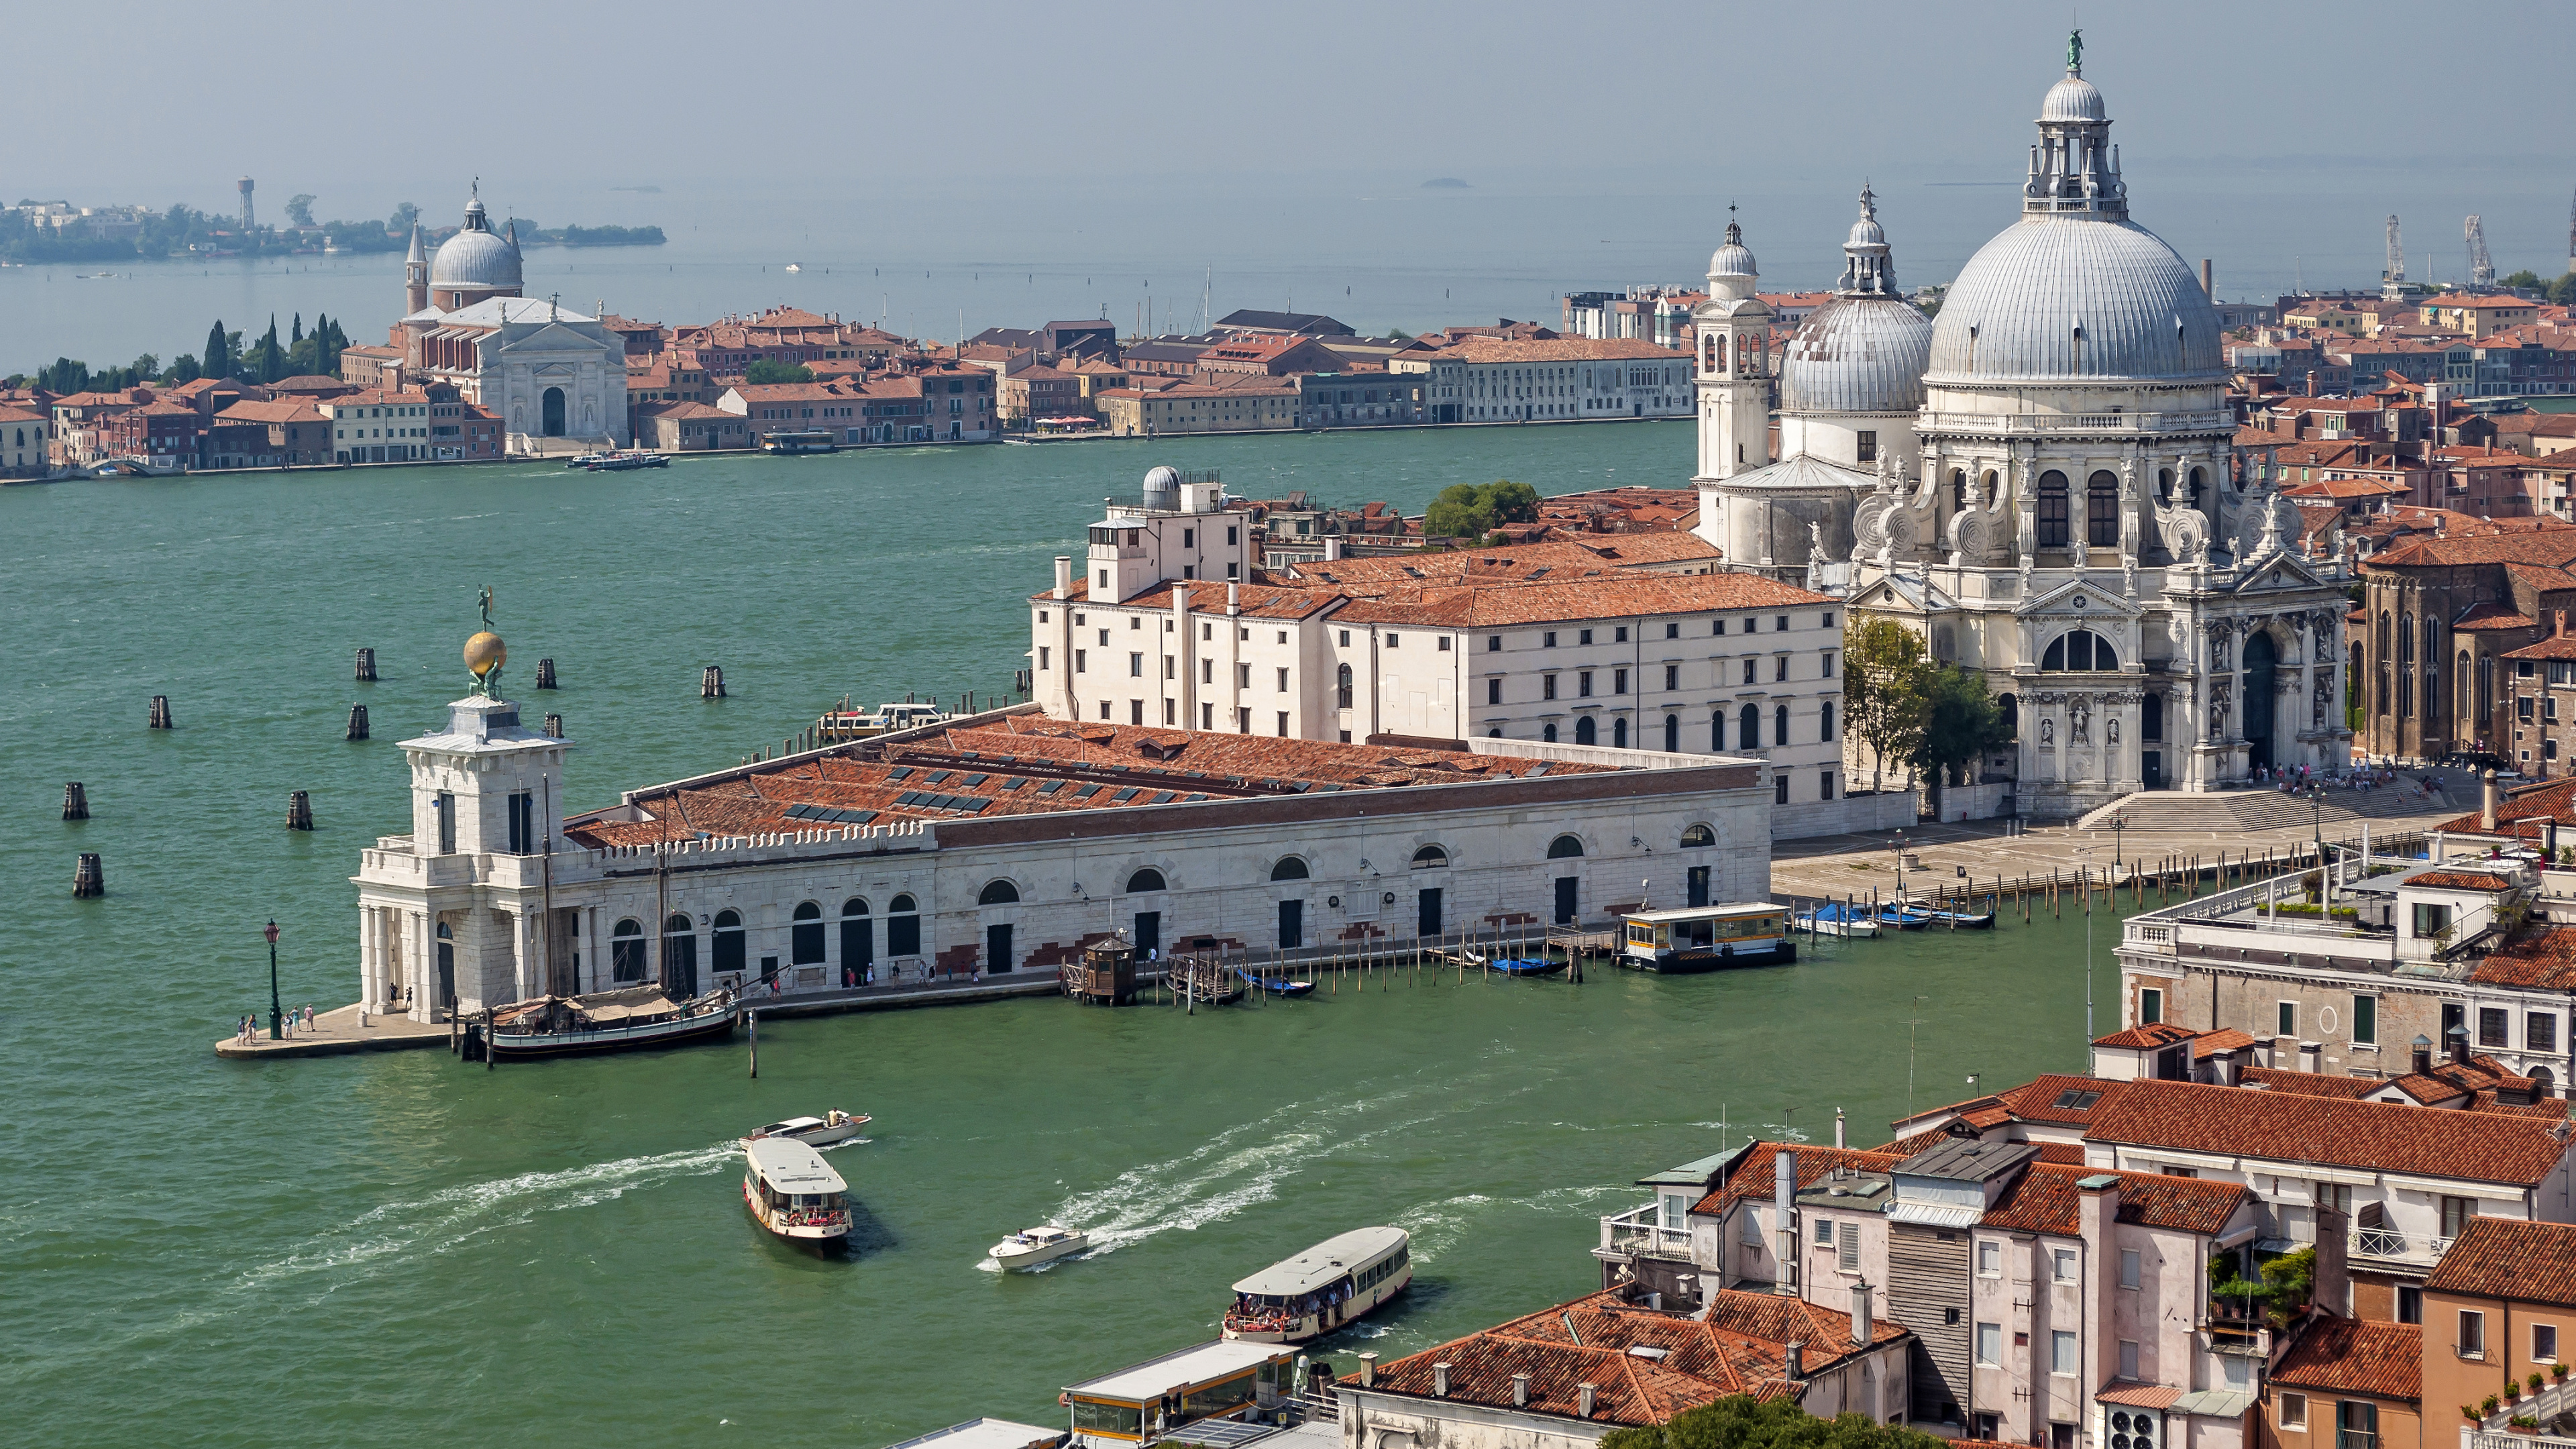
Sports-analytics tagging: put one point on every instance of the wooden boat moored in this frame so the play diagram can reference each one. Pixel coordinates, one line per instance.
(608, 1021)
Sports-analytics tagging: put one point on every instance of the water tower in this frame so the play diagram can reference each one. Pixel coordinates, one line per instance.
(250, 221)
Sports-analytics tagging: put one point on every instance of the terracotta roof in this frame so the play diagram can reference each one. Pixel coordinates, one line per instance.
(2308, 1084)
(2356, 1356)
(1753, 1170)
(2545, 959)
(2492, 615)
(2190, 1116)
(2523, 814)
(2045, 1199)
(2508, 1259)
(2147, 1038)
(2460, 880)
(1506, 605)
(1559, 349)
(298, 411)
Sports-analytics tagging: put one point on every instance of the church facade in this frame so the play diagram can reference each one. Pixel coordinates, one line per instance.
(2041, 483)
(546, 371)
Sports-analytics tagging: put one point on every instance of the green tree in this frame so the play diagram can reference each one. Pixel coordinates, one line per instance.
(1883, 692)
(145, 368)
(1739, 1421)
(219, 351)
(2524, 278)
(299, 208)
(297, 335)
(1961, 722)
(1459, 512)
(268, 359)
(766, 371)
(403, 218)
(183, 368)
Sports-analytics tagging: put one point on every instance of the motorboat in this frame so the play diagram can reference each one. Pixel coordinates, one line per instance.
(1832, 919)
(793, 1193)
(1031, 1247)
(609, 1021)
(809, 440)
(823, 1131)
(626, 462)
(1323, 1288)
(1935, 918)
(1706, 938)
(583, 460)
(843, 725)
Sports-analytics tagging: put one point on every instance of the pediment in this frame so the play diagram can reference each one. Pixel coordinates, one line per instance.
(1882, 597)
(556, 337)
(2079, 598)
(2280, 571)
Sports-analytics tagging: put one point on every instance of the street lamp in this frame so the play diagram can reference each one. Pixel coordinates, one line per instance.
(2117, 823)
(276, 1013)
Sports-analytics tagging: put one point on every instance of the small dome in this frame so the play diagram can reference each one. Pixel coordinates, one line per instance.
(1164, 476)
(2073, 99)
(1857, 355)
(1866, 232)
(1734, 259)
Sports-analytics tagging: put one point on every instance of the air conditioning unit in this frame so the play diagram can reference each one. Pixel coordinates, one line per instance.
(2136, 1429)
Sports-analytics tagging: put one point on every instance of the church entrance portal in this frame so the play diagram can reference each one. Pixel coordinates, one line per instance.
(2260, 661)
(554, 408)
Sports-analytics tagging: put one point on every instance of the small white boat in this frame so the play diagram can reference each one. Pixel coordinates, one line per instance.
(1031, 1246)
(823, 1131)
(793, 267)
(1833, 920)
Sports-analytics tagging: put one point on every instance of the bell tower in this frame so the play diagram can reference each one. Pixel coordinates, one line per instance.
(1734, 364)
(416, 275)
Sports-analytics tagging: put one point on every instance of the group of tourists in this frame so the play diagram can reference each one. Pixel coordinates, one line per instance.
(246, 1031)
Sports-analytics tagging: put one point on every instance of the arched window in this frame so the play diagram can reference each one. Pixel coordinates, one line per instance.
(2199, 480)
(858, 938)
(680, 955)
(1958, 489)
(728, 954)
(999, 893)
(2102, 509)
(626, 950)
(1825, 723)
(1564, 847)
(2052, 509)
(1672, 734)
(1342, 687)
(1288, 868)
(1748, 728)
(1495, 733)
(1547, 732)
(2164, 485)
(1717, 732)
(1148, 879)
(2010, 707)
(1430, 857)
(1619, 732)
(2543, 1084)
(903, 927)
(2080, 651)
(1780, 725)
(1697, 836)
(1988, 482)
(805, 935)
(1585, 732)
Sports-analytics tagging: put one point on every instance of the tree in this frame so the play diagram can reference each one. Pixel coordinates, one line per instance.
(145, 367)
(299, 208)
(1961, 722)
(183, 368)
(766, 371)
(1464, 510)
(296, 335)
(1739, 1421)
(268, 359)
(219, 351)
(404, 217)
(1883, 692)
(2524, 278)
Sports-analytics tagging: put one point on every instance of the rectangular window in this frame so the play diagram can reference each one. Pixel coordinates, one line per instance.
(446, 823)
(2061, 1351)
(2431, 920)
(2294, 1411)
(1990, 1345)
(2128, 1267)
(2285, 1019)
(2151, 1006)
(1585, 637)
(1717, 626)
(2522, 709)
(1548, 640)
(1283, 724)
(2544, 1343)
(1752, 1234)
(1672, 676)
(1547, 686)
(1990, 1259)
(1673, 630)
(1233, 535)
(1493, 643)
(1494, 691)
(1780, 788)
(1392, 640)
(1618, 681)
(1749, 666)
(2540, 1032)
(2493, 1026)
(1828, 671)
(2129, 1358)
(2410, 1304)
(1583, 684)
(1847, 1253)
(1780, 625)
(1825, 785)
(1042, 659)
(1171, 667)
(1868, 446)
(523, 823)
(1621, 637)
(1135, 666)
(2456, 1212)
(1824, 1232)
(2472, 1342)
(2365, 1020)
(1081, 657)
(2062, 1264)
(1283, 682)
(1780, 669)
(1444, 643)
(1171, 711)
(1243, 676)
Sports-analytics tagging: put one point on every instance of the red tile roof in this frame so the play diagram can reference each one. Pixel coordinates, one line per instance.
(2544, 959)
(2460, 880)
(1560, 349)
(1753, 1171)
(2505, 1258)
(2045, 1199)
(2284, 1127)
(2147, 1038)
(2356, 1356)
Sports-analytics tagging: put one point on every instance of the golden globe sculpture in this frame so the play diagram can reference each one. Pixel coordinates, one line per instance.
(485, 654)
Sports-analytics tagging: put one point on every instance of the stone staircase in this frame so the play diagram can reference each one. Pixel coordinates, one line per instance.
(2231, 811)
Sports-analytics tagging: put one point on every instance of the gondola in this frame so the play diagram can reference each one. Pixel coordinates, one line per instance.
(1276, 986)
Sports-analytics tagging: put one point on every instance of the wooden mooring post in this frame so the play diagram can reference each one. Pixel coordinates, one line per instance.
(357, 721)
(554, 726)
(545, 674)
(161, 712)
(711, 683)
(75, 801)
(299, 810)
(89, 878)
(366, 666)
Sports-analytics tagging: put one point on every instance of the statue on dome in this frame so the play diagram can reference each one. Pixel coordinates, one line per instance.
(2075, 52)
(485, 654)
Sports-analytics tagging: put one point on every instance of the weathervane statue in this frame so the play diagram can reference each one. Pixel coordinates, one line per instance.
(485, 654)
(2075, 52)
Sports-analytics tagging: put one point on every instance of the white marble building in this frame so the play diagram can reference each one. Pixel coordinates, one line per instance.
(2052, 499)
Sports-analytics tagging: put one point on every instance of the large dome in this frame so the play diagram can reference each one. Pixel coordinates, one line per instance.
(474, 259)
(1857, 355)
(2075, 299)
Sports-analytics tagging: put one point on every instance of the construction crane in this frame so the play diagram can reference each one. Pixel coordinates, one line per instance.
(2392, 278)
(2481, 269)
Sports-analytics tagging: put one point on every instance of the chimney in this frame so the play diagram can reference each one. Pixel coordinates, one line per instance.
(2311, 1055)
(2206, 281)
(2097, 1219)
(1795, 1368)
(1233, 600)
(2423, 1054)
(2332, 1290)
(1784, 1200)
(1583, 1400)
(2311, 389)
(2487, 810)
(1861, 1314)
(2459, 1044)
(1440, 1381)
(1063, 575)
(1685, 1286)
(1655, 1301)
(1838, 1128)
(2225, 1066)
(1368, 1369)
(1520, 1391)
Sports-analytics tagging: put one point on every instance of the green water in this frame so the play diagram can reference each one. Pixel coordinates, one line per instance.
(375, 1250)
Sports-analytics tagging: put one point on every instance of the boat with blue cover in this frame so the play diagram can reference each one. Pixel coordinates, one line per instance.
(1275, 985)
(1834, 919)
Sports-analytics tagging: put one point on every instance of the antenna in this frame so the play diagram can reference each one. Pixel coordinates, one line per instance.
(2481, 267)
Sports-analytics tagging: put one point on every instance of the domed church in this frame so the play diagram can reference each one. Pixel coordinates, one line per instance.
(2041, 482)
(549, 373)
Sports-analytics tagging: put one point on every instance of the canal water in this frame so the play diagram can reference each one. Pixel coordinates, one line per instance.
(375, 1250)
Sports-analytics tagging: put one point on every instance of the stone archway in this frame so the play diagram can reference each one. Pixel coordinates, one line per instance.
(552, 407)
(2262, 668)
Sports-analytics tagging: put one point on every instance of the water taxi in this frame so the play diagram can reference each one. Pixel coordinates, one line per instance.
(624, 462)
(1323, 1288)
(823, 1131)
(843, 725)
(1705, 938)
(1030, 1247)
(606, 1021)
(814, 440)
(794, 1193)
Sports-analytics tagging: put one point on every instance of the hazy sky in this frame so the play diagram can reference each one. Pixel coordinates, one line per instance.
(369, 104)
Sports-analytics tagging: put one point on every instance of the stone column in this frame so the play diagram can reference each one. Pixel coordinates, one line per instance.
(424, 966)
(594, 955)
(521, 951)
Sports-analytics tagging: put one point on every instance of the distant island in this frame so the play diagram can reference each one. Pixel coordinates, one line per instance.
(531, 234)
(1446, 183)
(37, 232)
